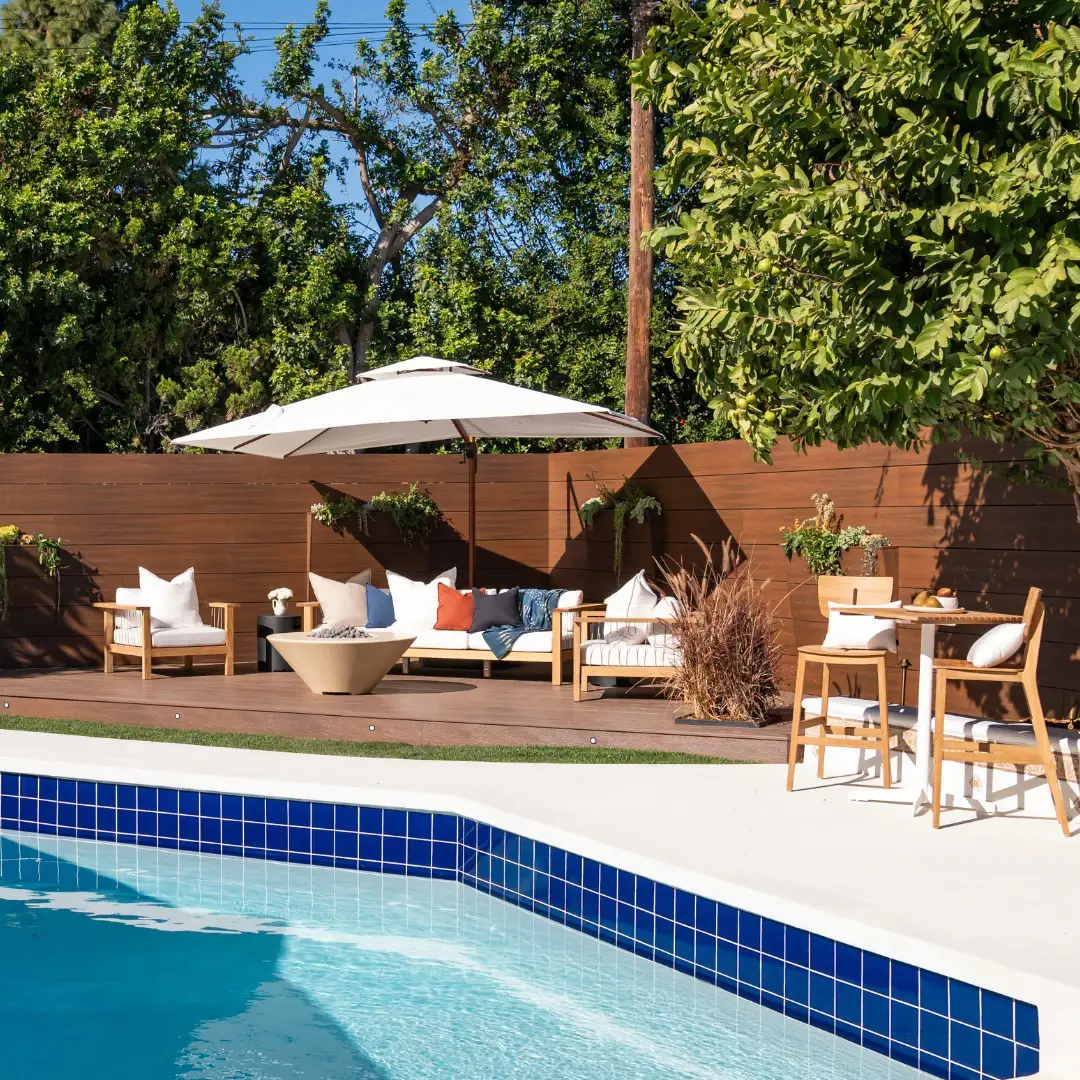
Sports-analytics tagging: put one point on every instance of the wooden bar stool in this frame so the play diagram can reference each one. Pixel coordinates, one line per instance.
(952, 748)
(844, 591)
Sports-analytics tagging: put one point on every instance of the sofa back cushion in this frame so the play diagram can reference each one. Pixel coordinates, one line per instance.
(455, 609)
(499, 609)
(343, 603)
(416, 603)
(380, 607)
(171, 603)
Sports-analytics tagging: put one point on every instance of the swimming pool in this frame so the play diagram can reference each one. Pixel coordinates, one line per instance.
(143, 964)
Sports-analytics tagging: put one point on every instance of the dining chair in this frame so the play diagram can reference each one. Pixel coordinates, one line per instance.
(971, 749)
(844, 591)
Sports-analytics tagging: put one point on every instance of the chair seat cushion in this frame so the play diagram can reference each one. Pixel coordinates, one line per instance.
(535, 641)
(172, 637)
(957, 725)
(629, 654)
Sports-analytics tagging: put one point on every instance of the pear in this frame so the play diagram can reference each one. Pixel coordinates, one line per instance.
(920, 599)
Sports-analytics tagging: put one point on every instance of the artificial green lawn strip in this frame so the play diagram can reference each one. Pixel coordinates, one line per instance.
(562, 755)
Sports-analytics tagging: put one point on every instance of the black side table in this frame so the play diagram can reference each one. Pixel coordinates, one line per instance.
(268, 658)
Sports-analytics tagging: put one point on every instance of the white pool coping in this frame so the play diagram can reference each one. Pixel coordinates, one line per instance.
(990, 902)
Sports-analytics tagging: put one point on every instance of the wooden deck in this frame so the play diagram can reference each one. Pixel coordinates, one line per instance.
(446, 708)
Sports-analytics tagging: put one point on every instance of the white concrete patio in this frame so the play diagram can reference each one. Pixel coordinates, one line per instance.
(989, 901)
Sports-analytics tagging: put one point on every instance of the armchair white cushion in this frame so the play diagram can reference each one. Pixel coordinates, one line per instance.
(171, 603)
(635, 599)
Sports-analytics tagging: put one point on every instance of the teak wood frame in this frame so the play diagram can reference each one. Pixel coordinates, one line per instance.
(842, 590)
(583, 672)
(556, 657)
(950, 748)
(222, 615)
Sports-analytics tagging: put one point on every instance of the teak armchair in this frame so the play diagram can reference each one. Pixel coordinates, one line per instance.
(950, 748)
(584, 669)
(221, 635)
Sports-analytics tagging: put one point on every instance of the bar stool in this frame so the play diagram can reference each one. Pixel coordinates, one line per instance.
(844, 591)
(952, 748)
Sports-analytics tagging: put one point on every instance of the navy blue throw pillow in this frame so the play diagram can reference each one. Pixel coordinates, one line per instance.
(495, 609)
(380, 607)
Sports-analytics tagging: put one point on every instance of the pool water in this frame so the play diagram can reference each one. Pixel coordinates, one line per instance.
(135, 963)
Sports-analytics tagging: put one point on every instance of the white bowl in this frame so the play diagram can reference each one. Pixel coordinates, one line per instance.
(949, 601)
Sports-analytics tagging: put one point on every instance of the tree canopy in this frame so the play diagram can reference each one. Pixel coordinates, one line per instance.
(874, 217)
(45, 26)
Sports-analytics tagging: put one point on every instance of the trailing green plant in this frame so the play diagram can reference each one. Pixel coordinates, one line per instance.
(414, 512)
(49, 559)
(823, 540)
(630, 501)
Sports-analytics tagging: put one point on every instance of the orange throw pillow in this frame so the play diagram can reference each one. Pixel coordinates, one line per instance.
(455, 609)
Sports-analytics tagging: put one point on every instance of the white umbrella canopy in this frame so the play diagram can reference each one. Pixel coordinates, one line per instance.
(420, 400)
(424, 399)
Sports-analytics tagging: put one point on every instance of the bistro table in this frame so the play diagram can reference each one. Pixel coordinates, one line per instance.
(927, 620)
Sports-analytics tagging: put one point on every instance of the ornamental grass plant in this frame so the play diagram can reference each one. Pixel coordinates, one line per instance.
(729, 666)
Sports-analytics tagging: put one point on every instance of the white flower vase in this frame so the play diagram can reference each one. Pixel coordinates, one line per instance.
(280, 606)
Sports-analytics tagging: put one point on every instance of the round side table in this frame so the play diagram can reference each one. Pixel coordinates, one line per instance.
(267, 657)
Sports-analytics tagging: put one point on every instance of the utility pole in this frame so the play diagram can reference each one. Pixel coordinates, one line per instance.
(640, 286)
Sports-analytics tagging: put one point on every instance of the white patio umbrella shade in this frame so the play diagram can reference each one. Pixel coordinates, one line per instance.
(420, 400)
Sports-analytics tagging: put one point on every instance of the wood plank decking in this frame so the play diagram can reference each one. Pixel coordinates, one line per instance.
(429, 709)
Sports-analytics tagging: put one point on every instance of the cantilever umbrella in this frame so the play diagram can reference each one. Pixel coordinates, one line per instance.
(420, 400)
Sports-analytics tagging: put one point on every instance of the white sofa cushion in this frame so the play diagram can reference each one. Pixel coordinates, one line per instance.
(997, 645)
(860, 631)
(535, 641)
(435, 639)
(343, 603)
(570, 598)
(416, 603)
(635, 599)
(661, 633)
(629, 654)
(171, 637)
(173, 603)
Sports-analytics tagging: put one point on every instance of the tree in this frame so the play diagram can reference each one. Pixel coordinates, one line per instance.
(878, 228)
(455, 122)
(43, 26)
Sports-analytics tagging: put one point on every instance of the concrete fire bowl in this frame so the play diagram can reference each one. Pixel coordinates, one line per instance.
(341, 665)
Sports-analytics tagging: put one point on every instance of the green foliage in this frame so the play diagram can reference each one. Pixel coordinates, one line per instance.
(414, 512)
(877, 226)
(44, 26)
(49, 559)
(629, 502)
(823, 540)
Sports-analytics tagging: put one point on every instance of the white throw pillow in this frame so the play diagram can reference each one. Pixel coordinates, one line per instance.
(635, 599)
(860, 631)
(662, 633)
(416, 603)
(570, 598)
(172, 603)
(997, 645)
(343, 603)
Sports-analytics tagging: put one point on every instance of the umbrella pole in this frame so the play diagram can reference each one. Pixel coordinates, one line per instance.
(470, 454)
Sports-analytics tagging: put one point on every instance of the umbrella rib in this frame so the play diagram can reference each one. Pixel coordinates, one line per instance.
(307, 442)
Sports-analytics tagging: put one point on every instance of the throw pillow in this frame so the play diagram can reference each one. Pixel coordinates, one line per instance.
(455, 609)
(860, 631)
(416, 603)
(997, 645)
(661, 633)
(343, 603)
(636, 599)
(172, 603)
(498, 609)
(380, 607)
(571, 598)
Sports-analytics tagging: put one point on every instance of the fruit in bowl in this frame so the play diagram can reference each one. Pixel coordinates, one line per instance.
(947, 598)
(925, 599)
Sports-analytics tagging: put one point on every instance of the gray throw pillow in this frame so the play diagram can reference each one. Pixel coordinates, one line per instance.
(495, 609)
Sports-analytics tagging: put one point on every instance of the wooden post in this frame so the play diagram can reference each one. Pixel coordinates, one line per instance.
(307, 561)
(471, 454)
(639, 289)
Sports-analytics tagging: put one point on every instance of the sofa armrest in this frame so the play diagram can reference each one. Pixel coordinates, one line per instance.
(582, 607)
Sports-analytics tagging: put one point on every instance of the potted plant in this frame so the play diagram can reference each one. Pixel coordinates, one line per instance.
(823, 540)
(629, 502)
(279, 599)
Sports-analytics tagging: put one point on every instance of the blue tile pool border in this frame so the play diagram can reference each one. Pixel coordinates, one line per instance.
(942, 1025)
